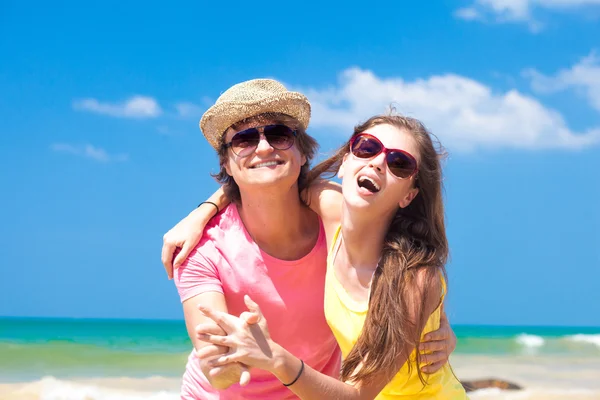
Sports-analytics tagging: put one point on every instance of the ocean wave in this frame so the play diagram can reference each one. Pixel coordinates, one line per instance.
(588, 339)
(534, 394)
(530, 341)
(50, 388)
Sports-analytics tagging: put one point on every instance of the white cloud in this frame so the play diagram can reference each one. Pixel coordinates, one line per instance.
(188, 110)
(468, 13)
(463, 113)
(134, 107)
(517, 10)
(584, 77)
(88, 151)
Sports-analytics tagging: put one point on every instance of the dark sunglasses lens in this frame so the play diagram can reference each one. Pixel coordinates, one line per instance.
(281, 137)
(400, 164)
(245, 142)
(364, 147)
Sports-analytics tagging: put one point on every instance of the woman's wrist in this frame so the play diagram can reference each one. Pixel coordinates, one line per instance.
(285, 365)
(203, 213)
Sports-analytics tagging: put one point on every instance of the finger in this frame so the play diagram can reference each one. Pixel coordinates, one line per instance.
(209, 328)
(216, 371)
(430, 347)
(210, 351)
(245, 376)
(252, 306)
(431, 368)
(167, 258)
(250, 317)
(216, 339)
(440, 334)
(222, 319)
(183, 254)
(433, 358)
(230, 357)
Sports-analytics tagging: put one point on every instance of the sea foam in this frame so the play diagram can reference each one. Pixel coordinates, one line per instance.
(588, 339)
(50, 388)
(530, 341)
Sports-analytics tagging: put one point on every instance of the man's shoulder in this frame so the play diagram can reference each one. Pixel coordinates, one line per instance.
(222, 230)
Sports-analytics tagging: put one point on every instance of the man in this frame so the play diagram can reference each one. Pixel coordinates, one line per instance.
(267, 243)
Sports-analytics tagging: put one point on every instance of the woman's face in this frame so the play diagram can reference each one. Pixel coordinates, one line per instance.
(369, 182)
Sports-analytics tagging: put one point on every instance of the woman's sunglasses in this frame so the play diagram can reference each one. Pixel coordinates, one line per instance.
(280, 137)
(401, 163)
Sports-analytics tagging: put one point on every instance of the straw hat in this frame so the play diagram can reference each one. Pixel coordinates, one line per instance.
(251, 98)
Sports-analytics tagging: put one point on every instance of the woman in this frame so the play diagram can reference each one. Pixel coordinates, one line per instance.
(385, 282)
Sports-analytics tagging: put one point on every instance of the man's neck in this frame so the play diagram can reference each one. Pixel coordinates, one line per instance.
(279, 223)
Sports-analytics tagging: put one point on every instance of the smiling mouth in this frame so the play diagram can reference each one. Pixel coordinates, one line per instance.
(367, 183)
(266, 164)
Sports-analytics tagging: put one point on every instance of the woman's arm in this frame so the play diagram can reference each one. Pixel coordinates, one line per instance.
(251, 344)
(325, 198)
(188, 232)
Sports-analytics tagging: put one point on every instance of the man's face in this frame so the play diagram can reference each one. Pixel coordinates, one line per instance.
(266, 166)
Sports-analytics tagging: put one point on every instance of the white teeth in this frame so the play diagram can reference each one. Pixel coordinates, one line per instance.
(366, 178)
(265, 164)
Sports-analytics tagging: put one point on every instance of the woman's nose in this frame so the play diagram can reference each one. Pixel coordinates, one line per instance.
(378, 162)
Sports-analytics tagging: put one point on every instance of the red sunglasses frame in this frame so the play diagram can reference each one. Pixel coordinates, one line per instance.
(386, 151)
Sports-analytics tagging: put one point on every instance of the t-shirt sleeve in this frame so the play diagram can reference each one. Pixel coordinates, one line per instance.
(197, 275)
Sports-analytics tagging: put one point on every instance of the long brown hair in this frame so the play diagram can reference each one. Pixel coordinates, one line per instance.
(306, 144)
(416, 240)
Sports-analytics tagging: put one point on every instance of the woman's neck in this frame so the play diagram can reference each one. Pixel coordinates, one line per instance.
(363, 234)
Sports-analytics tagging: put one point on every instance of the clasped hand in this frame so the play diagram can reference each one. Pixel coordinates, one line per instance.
(249, 342)
(247, 338)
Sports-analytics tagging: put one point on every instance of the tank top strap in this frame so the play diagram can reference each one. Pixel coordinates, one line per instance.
(335, 247)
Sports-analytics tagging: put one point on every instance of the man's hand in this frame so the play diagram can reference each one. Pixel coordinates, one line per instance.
(220, 377)
(437, 347)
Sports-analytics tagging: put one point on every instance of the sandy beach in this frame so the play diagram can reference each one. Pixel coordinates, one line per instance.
(542, 378)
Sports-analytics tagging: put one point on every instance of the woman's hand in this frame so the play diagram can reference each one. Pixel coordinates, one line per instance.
(247, 337)
(437, 347)
(184, 237)
(187, 233)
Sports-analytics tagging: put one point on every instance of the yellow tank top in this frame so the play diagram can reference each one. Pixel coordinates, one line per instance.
(346, 318)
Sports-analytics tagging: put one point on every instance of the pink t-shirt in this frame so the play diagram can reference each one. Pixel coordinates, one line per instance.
(289, 293)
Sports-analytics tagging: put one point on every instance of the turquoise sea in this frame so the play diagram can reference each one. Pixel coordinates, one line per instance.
(71, 349)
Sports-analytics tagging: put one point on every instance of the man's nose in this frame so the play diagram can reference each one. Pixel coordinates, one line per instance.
(263, 145)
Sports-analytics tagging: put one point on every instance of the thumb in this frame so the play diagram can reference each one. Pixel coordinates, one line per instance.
(254, 309)
(250, 317)
(245, 375)
(252, 306)
(183, 254)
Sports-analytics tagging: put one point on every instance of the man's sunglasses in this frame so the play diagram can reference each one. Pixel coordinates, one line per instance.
(401, 163)
(280, 137)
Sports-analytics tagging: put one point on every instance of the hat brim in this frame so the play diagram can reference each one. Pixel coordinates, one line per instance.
(219, 117)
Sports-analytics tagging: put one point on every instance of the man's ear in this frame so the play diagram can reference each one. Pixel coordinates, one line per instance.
(406, 200)
(227, 168)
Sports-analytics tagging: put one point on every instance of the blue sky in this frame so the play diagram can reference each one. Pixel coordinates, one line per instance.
(101, 152)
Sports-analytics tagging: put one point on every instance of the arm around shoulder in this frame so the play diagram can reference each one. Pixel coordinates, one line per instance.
(188, 232)
(325, 198)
